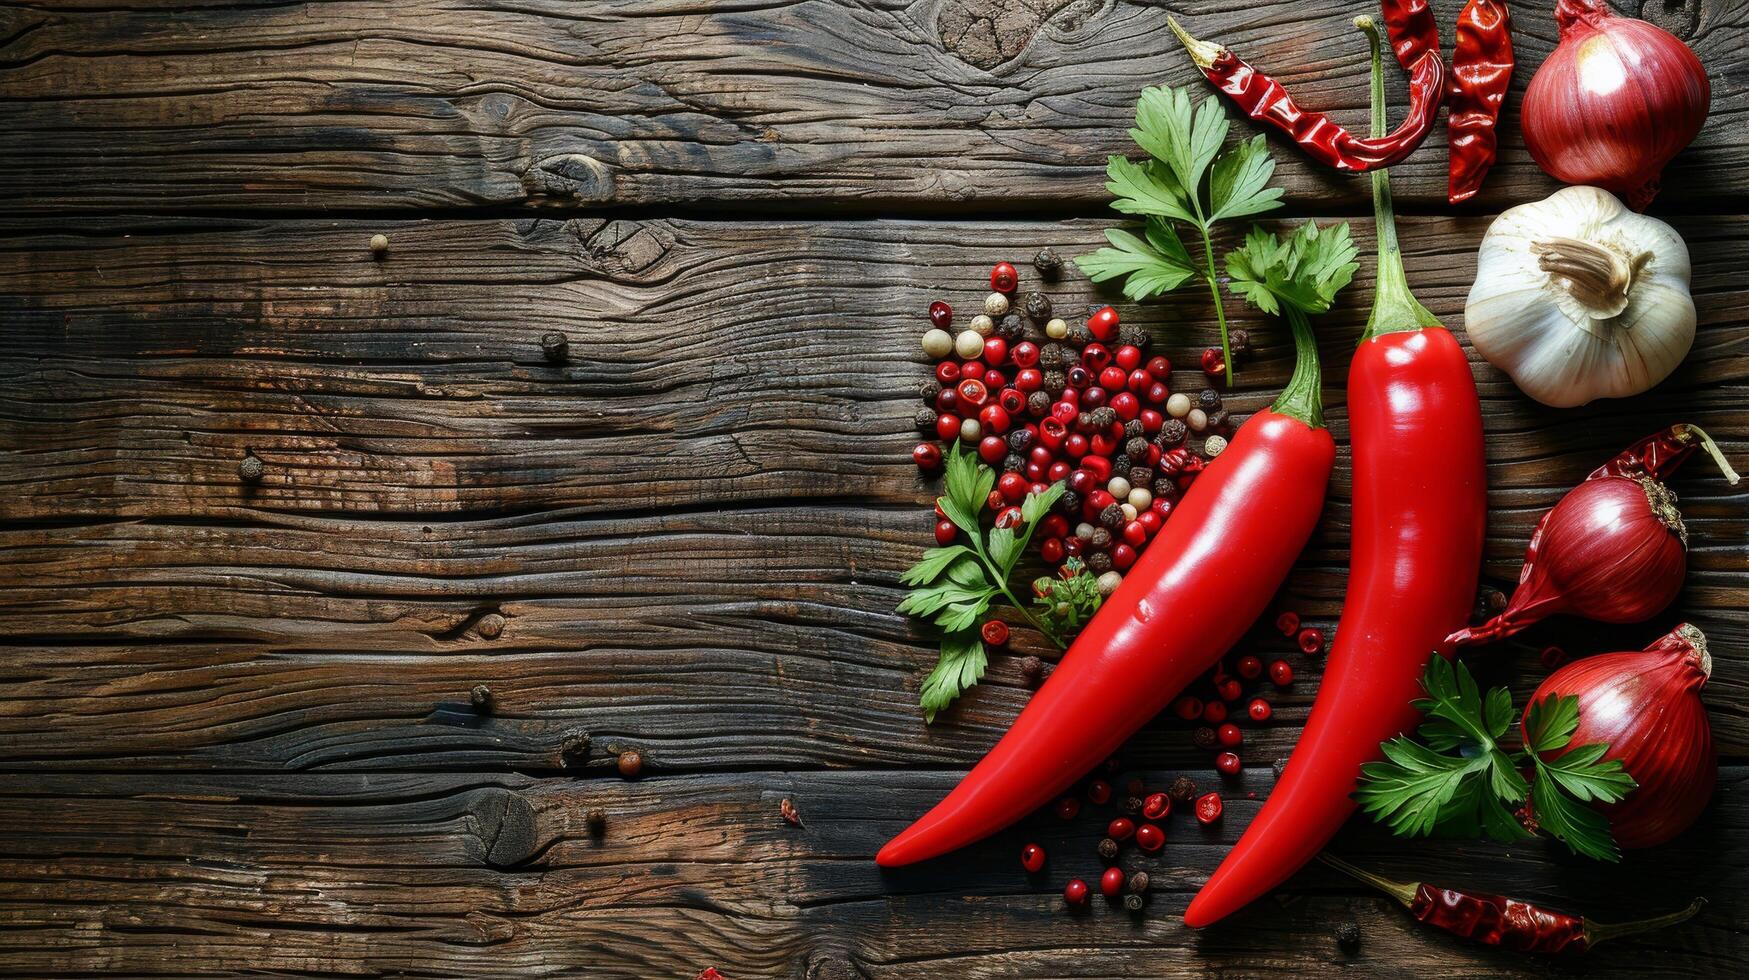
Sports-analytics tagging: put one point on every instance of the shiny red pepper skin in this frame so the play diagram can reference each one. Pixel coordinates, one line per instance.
(1419, 514)
(1481, 72)
(1200, 584)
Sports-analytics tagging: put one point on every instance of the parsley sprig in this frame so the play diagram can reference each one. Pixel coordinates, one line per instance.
(1067, 601)
(954, 586)
(1188, 179)
(1459, 780)
(1296, 278)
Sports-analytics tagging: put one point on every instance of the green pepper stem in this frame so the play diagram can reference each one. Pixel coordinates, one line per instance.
(1394, 307)
(1401, 891)
(1712, 449)
(1596, 932)
(1301, 398)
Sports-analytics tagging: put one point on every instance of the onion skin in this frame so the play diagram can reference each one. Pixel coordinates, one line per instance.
(1614, 102)
(1646, 706)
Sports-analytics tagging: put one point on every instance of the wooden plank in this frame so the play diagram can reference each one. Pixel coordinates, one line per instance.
(865, 107)
(692, 530)
(471, 874)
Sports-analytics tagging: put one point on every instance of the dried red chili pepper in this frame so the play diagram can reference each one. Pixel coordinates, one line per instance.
(1411, 28)
(1481, 71)
(1267, 101)
(1506, 922)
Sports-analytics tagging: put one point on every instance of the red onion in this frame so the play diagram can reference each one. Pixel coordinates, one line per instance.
(1614, 549)
(1646, 706)
(1615, 101)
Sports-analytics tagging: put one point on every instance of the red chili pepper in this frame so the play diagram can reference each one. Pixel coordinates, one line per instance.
(1419, 509)
(1209, 573)
(1507, 922)
(1267, 101)
(1481, 71)
(1411, 28)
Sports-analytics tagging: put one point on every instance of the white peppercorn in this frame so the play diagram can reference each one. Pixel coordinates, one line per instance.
(937, 343)
(1140, 498)
(1178, 406)
(1129, 511)
(1084, 531)
(1109, 582)
(1197, 419)
(971, 431)
(1213, 446)
(969, 344)
(995, 304)
(983, 325)
(1118, 487)
(1057, 328)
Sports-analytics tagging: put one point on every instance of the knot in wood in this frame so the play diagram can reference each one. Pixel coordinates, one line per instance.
(490, 626)
(986, 33)
(832, 966)
(251, 469)
(574, 747)
(555, 346)
(505, 825)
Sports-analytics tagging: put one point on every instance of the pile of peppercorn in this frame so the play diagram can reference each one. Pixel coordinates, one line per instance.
(1047, 401)
(1139, 821)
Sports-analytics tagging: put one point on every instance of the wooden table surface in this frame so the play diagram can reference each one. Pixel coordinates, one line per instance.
(238, 738)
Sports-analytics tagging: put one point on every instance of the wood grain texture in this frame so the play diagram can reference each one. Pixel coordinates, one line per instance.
(700, 518)
(888, 107)
(355, 875)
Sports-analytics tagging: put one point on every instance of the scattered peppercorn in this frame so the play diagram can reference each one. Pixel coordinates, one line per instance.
(1100, 561)
(1067, 808)
(1348, 936)
(1047, 262)
(1139, 883)
(995, 633)
(1281, 673)
(251, 469)
(926, 419)
(1100, 538)
(1150, 838)
(554, 346)
(1214, 446)
(787, 810)
(1157, 806)
(1311, 641)
(1108, 849)
(1133, 806)
(1098, 792)
(1032, 858)
(1239, 342)
(596, 821)
(1112, 516)
(630, 763)
(490, 626)
(1120, 828)
(1037, 306)
(1013, 463)
(379, 245)
(1111, 882)
(1079, 335)
(1069, 502)
(1287, 623)
(1208, 808)
(1133, 336)
(1204, 737)
(1032, 669)
(1258, 710)
(1182, 790)
(1172, 433)
(1133, 429)
(1208, 399)
(481, 698)
(1075, 893)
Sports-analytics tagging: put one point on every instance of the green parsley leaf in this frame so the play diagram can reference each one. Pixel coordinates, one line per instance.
(1408, 790)
(1170, 132)
(1004, 548)
(1239, 185)
(1037, 505)
(1550, 723)
(961, 665)
(1305, 272)
(1580, 827)
(1147, 188)
(1158, 265)
(1065, 604)
(932, 564)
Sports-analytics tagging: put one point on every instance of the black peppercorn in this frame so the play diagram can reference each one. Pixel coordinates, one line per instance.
(1038, 404)
(1218, 420)
(597, 822)
(1084, 422)
(1037, 306)
(1101, 539)
(1108, 849)
(1495, 600)
(1139, 883)
(554, 346)
(1278, 765)
(926, 420)
(1069, 502)
(251, 469)
(1055, 381)
(1182, 790)
(1136, 447)
(574, 747)
(1121, 463)
(1239, 342)
(1205, 737)
(1348, 936)
(1133, 336)
(1103, 416)
(1132, 805)
(1079, 335)
(1140, 476)
(1112, 517)
(1032, 669)
(1172, 433)
(1099, 562)
(481, 698)
(1013, 463)
(1047, 262)
(1165, 488)
(1133, 429)
(1208, 399)
(1011, 329)
(1050, 357)
(1133, 903)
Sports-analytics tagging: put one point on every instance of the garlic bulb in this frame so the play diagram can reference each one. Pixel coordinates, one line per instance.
(1578, 298)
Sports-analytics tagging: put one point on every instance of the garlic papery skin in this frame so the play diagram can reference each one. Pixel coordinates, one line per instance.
(1578, 298)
